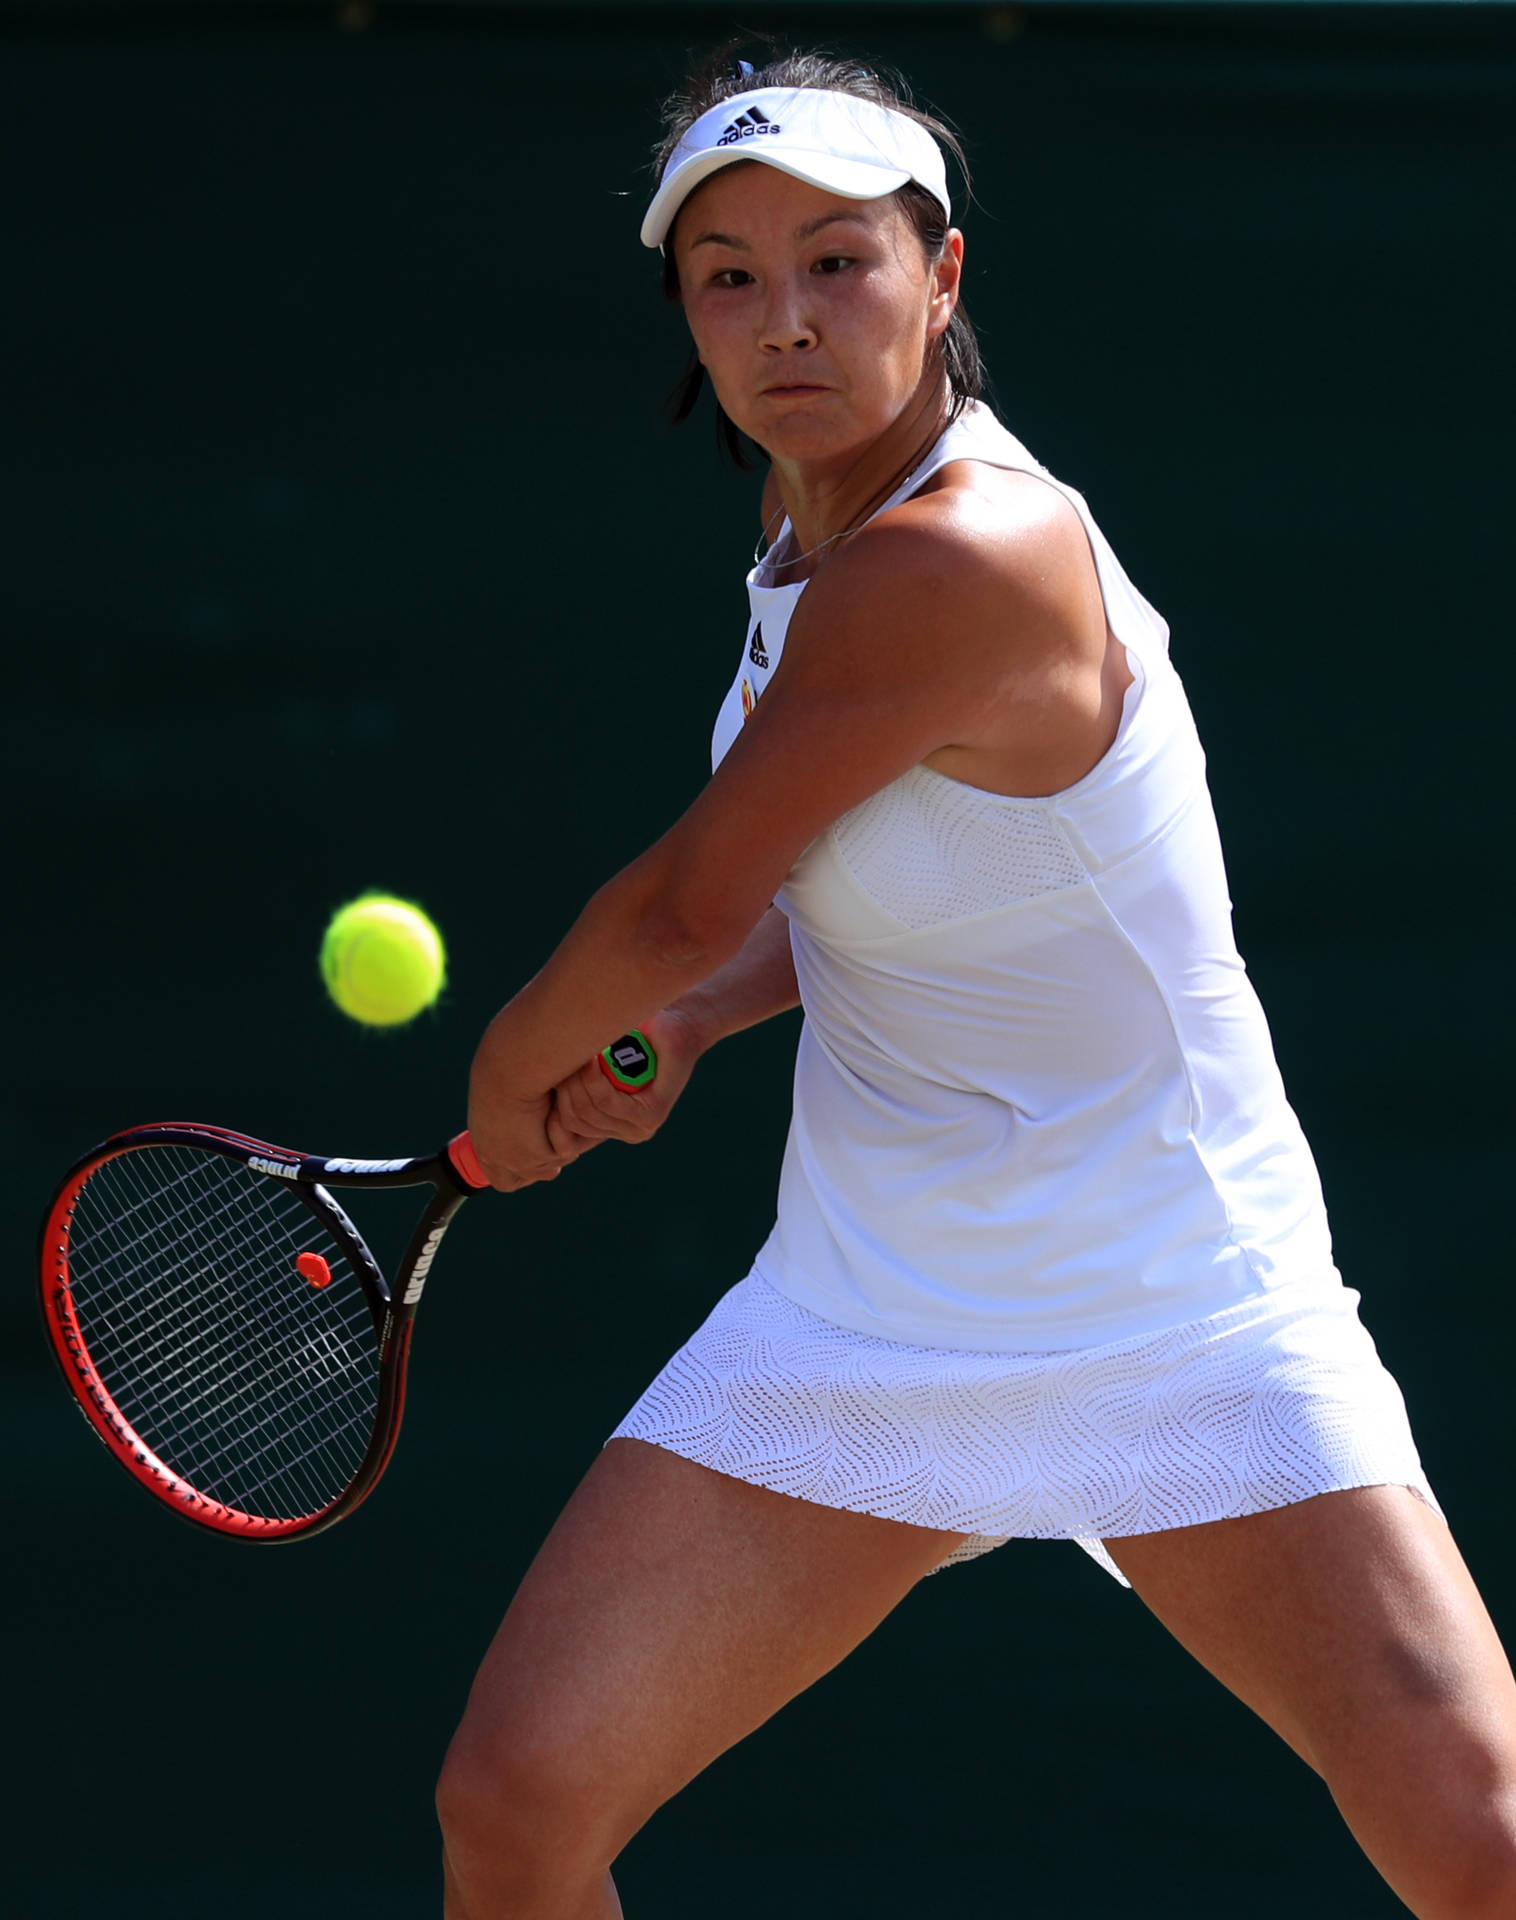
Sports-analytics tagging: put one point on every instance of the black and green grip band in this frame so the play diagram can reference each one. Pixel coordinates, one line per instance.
(630, 1061)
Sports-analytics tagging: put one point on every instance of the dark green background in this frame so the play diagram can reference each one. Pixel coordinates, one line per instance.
(344, 546)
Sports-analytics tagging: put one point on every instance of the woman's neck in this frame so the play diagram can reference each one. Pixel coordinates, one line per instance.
(827, 499)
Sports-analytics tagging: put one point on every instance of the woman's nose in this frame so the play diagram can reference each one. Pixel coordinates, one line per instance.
(786, 330)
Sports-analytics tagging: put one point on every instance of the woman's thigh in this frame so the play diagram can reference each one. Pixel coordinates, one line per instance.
(1350, 1623)
(671, 1611)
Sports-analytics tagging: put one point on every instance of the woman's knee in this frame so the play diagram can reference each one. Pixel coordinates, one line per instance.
(523, 1810)
(1444, 1836)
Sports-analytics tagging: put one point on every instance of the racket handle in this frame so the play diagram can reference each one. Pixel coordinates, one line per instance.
(629, 1063)
(465, 1162)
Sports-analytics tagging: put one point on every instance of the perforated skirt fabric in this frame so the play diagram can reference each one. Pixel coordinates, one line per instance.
(1261, 1405)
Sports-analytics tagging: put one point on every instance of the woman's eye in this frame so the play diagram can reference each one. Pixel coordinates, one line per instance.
(731, 277)
(833, 263)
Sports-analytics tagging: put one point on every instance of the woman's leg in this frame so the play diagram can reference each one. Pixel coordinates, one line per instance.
(1350, 1624)
(670, 1611)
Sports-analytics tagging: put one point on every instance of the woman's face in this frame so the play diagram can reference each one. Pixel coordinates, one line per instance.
(811, 314)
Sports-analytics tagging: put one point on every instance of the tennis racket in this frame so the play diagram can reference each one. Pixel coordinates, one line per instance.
(222, 1325)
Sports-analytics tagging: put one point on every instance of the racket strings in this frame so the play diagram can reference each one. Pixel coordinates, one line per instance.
(237, 1383)
(238, 1401)
(253, 1386)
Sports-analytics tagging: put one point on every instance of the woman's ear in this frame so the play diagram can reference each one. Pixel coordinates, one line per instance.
(947, 278)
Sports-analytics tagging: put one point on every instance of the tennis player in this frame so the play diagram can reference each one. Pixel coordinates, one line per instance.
(1051, 1258)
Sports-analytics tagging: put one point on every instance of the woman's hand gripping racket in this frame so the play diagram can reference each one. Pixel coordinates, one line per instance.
(224, 1328)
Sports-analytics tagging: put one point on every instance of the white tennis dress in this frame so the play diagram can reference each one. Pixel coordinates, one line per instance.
(1051, 1257)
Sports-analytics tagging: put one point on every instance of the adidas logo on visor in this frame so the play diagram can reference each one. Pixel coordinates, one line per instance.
(755, 120)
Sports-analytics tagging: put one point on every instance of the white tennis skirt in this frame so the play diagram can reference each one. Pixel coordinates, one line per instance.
(1258, 1406)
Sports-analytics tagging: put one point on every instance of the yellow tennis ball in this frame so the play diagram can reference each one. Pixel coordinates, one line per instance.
(382, 960)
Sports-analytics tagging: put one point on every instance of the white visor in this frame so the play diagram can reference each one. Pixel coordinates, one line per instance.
(835, 141)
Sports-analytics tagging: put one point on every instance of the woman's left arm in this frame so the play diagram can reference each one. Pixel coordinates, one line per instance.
(911, 637)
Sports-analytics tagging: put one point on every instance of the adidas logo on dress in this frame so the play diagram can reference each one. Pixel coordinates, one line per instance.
(755, 120)
(756, 652)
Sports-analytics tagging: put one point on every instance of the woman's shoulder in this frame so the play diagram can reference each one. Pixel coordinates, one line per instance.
(973, 534)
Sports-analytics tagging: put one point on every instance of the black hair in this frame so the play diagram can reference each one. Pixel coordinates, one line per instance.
(718, 78)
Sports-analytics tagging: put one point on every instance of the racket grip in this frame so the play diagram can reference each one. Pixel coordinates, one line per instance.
(629, 1063)
(465, 1162)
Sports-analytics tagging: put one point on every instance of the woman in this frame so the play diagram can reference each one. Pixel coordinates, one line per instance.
(1051, 1257)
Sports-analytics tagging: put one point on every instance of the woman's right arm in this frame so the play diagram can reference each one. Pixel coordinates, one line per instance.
(755, 984)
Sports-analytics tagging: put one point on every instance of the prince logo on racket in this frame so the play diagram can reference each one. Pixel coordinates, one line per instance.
(423, 1265)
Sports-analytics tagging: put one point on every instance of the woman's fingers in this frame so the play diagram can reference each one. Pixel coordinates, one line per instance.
(592, 1105)
(589, 1107)
(516, 1141)
(564, 1136)
(594, 1109)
